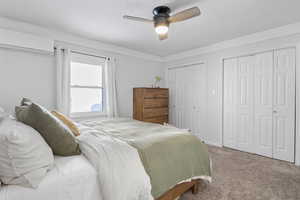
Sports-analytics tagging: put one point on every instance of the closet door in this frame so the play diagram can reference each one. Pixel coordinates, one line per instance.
(172, 95)
(188, 98)
(263, 104)
(284, 105)
(179, 97)
(244, 109)
(197, 94)
(188, 95)
(259, 104)
(230, 99)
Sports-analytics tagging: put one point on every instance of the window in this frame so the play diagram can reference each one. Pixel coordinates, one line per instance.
(87, 89)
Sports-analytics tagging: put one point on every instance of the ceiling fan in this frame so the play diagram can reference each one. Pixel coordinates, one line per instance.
(162, 19)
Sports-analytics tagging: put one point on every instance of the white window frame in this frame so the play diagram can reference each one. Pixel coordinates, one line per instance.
(77, 57)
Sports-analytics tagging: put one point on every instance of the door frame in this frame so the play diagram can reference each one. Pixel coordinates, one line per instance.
(297, 96)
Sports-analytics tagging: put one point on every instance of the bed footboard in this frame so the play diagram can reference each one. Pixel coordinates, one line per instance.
(179, 189)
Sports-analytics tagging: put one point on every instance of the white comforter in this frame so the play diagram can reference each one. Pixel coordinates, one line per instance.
(120, 170)
(72, 178)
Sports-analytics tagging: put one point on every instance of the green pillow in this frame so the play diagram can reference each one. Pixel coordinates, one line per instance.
(56, 134)
(26, 102)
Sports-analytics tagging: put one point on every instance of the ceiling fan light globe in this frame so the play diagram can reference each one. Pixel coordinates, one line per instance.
(161, 30)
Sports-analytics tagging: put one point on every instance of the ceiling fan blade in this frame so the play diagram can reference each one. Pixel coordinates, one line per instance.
(184, 15)
(180, 4)
(138, 19)
(163, 36)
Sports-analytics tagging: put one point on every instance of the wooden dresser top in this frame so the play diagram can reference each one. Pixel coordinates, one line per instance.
(151, 88)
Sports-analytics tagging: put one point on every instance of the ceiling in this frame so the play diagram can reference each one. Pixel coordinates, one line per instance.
(102, 20)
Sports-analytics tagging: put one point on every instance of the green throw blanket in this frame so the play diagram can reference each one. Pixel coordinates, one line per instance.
(169, 155)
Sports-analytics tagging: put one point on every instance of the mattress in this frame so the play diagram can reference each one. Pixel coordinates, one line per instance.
(71, 178)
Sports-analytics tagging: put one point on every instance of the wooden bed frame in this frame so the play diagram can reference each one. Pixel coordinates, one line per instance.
(179, 189)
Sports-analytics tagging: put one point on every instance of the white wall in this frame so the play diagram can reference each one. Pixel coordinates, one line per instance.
(25, 74)
(132, 72)
(33, 75)
(214, 66)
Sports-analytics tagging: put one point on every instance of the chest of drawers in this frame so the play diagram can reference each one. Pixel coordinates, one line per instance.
(151, 104)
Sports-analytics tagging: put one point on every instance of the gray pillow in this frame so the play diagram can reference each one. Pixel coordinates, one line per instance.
(58, 136)
(26, 102)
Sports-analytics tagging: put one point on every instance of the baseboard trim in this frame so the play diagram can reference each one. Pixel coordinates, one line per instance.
(213, 143)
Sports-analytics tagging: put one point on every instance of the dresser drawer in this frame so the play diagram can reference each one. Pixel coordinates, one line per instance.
(160, 120)
(155, 112)
(156, 103)
(156, 93)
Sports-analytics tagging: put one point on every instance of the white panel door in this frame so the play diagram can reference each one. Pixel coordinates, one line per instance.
(179, 97)
(230, 86)
(263, 104)
(197, 94)
(188, 98)
(284, 105)
(259, 104)
(244, 109)
(172, 96)
(188, 95)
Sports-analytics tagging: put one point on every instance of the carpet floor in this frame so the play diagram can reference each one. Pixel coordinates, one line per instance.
(243, 176)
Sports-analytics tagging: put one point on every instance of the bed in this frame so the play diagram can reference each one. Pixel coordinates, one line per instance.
(173, 159)
(124, 159)
(61, 184)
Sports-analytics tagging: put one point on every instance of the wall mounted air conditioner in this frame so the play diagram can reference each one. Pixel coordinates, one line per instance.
(25, 41)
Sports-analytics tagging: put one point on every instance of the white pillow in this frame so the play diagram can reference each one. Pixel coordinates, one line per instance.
(25, 157)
